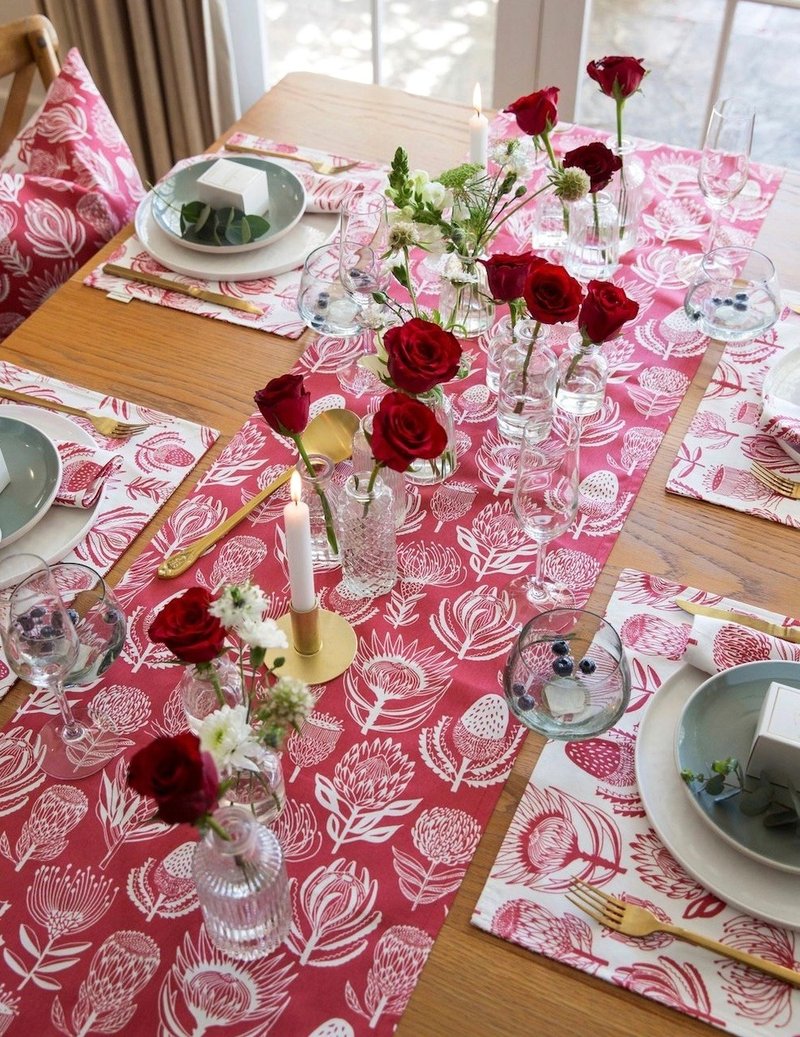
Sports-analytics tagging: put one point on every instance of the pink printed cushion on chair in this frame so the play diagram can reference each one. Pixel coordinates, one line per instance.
(68, 183)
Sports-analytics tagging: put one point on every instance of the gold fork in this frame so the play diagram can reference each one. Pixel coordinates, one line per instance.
(317, 164)
(631, 920)
(111, 428)
(775, 481)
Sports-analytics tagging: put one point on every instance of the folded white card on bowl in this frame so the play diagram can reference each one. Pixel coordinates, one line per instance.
(233, 184)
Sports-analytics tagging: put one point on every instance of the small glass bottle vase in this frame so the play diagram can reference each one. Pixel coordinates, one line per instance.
(528, 371)
(627, 190)
(551, 220)
(426, 473)
(494, 343)
(204, 687)
(363, 462)
(319, 493)
(464, 300)
(369, 540)
(582, 377)
(593, 242)
(262, 791)
(242, 885)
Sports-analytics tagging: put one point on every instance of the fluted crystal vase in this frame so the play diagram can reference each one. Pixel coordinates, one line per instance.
(262, 791)
(242, 885)
(205, 687)
(369, 541)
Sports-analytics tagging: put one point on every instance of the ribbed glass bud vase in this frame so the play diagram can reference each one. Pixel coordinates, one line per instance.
(369, 541)
(242, 885)
(363, 462)
(627, 190)
(205, 687)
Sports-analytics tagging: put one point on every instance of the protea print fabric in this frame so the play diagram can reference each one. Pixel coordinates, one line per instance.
(127, 480)
(731, 430)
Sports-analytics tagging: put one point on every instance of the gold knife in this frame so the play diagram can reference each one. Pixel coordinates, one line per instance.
(764, 626)
(183, 289)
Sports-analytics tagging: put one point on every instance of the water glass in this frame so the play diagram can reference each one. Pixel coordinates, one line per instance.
(322, 300)
(567, 676)
(363, 244)
(734, 295)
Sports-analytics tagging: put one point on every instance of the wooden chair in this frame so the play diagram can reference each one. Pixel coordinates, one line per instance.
(25, 45)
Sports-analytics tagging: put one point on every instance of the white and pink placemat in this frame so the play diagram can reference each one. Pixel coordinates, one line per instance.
(148, 467)
(582, 815)
(724, 438)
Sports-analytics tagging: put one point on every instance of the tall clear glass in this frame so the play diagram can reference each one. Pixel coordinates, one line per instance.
(320, 494)
(363, 244)
(545, 502)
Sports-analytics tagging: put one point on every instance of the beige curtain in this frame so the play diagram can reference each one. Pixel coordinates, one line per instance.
(164, 67)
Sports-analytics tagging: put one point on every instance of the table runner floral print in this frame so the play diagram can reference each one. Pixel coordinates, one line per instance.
(581, 815)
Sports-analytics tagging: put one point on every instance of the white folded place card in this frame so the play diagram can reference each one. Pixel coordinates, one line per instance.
(776, 745)
(227, 183)
(5, 479)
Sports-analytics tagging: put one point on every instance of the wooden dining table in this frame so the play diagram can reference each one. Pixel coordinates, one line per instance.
(204, 370)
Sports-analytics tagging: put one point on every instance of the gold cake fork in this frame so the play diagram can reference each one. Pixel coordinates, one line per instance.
(317, 164)
(775, 481)
(111, 428)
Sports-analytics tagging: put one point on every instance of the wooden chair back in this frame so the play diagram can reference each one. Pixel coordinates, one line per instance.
(26, 45)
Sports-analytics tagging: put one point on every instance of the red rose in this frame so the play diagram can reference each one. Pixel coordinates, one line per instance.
(604, 311)
(618, 77)
(403, 430)
(506, 274)
(551, 294)
(536, 113)
(284, 403)
(421, 355)
(178, 776)
(597, 161)
(188, 629)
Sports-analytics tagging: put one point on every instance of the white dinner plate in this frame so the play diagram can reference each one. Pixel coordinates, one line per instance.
(287, 203)
(742, 882)
(61, 528)
(35, 470)
(314, 229)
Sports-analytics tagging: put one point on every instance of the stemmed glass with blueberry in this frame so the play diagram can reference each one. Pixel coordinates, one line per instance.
(51, 634)
(567, 676)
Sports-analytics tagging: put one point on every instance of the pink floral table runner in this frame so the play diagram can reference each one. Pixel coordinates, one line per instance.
(713, 461)
(581, 815)
(150, 467)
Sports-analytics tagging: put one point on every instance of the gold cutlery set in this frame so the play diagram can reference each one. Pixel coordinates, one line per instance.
(112, 428)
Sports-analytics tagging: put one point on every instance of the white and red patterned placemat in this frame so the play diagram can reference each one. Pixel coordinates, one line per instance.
(276, 294)
(154, 463)
(581, 815)
(713, 461)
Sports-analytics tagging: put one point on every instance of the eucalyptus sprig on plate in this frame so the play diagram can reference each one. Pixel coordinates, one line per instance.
(762, 798)
(226, 226)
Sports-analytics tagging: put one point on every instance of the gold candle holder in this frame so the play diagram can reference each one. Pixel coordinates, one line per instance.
(322, 645)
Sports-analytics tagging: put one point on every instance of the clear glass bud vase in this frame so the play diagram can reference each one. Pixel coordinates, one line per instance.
(528, 370)
(205, 687)
(262, 791)
(582, 377)
(551, 220)
(242, 885)
(319, 493)
(464, 300)
(494, 343)
(369, 540)
(426, 473)
(627, 190)
(593, 242)
(363, 462)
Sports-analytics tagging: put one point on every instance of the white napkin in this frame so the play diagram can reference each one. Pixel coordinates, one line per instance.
(84, 473)
(781, 419)
(717, 644)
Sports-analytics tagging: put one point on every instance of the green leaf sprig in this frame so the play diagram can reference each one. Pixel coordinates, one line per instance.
(227, 226)
(761, 798)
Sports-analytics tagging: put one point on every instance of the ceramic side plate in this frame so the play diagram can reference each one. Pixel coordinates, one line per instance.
(719, 720)
(34, 469)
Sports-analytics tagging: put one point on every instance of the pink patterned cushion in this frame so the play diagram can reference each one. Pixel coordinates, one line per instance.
(68, 183)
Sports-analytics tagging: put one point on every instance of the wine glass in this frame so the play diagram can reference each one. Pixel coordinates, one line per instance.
(545, 502)
(363, 243)
(724, 165)
(98, 619)
(42, 637)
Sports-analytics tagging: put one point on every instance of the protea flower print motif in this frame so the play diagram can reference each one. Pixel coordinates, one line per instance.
(63, 903)
(568, 939)
(297, 831)
(20, 774)
(317, 739)
(652, 635)
(678, 985)
(754, 995)
(479, 624)
(205, 990)
(123, 813)
(399, 956)
(734, 644)
(332, 914)
(446, 837)
(123, 965)
(165, 888)
(44, 835)
(639, 447)
(366, 784)
(659, 870)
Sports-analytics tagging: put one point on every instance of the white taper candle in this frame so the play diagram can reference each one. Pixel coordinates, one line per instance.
(298, 549)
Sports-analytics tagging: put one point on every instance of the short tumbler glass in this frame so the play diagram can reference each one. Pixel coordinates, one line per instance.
(322, 300)
(567, 676)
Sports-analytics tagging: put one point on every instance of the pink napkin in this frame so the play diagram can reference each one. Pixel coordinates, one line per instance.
(781, 419)
(716, 644)
(323, 193)
(84, 473)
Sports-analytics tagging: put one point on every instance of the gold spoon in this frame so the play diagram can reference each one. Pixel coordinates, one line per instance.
(330, 432)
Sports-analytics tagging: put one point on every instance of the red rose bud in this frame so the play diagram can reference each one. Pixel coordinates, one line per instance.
(404, 430)
(618, 77)
(536, 113)
(506, 274)
(181, 778)
(604, 311)
(284, 403)
(188, 629)
(597, 161)
(551, 294)
(421, 355)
